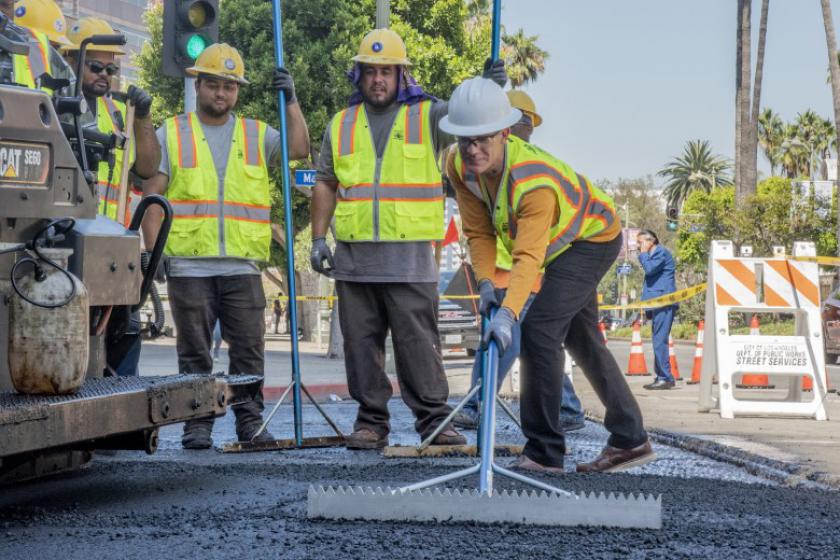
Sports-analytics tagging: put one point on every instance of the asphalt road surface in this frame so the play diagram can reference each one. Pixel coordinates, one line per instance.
(208, 505)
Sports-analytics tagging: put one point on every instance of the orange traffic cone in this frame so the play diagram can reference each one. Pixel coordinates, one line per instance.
(698, 355)
(637, 365)
(603, 328)
(672, 359)
(755, 380)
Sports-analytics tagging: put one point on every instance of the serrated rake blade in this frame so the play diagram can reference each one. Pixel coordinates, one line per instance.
(527, 508)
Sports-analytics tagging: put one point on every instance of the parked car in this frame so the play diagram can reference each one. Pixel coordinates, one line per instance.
(831, 326)
(457, 321)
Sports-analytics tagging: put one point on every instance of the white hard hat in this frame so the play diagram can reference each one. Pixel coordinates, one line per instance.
(478, 107)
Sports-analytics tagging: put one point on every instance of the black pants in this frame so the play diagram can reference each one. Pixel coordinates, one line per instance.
(366, 311)
(238, 302)
(566, 312)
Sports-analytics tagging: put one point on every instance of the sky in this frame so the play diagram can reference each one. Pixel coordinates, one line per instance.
(628, 83)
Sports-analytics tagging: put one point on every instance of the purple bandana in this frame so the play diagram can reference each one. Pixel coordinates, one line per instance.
(409, 92)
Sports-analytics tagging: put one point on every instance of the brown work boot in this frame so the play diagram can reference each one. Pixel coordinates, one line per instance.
(449, 437)
(523, 463)
(365, 438)
(613, 459)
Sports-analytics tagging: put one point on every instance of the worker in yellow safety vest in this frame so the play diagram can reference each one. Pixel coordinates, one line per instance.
(214, 171)
(108, 114)
(491, 293)
(379, 178)
(44, 27)
(554, 222)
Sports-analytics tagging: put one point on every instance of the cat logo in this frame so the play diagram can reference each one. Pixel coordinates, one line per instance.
(10, 162)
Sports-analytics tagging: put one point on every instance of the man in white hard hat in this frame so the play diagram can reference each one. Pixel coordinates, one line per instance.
(553, 219)
(491, 293)
(379, 176)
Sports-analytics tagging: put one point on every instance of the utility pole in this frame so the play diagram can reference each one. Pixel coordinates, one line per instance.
(383, 13)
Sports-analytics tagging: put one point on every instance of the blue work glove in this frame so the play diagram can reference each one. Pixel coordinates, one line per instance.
(500, 330)
(486, 297)
(495, 70)
(320, 253)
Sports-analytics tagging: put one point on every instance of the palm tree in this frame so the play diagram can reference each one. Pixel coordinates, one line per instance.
(809, 128)
(697, 168)
(771, 134)
(793, 154)
(834, 70)
(524, 60)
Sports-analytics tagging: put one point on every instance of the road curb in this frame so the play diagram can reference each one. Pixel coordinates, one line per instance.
(783, 472)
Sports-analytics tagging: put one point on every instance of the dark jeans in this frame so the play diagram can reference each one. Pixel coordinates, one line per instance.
(130, 364)
(565, 312)
(366, 311)
(570, 409)
(663, 318)
(238, 303)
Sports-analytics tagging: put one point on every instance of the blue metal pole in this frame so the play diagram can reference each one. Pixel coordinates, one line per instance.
(487, 427)
(497, 29)
(290, 239)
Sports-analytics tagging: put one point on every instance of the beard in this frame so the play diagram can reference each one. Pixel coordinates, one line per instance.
(210, 109)
(379, 104)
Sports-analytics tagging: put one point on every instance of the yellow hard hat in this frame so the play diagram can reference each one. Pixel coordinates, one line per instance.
(88, 27)
(44, 16)
(522, 101)
(221, 60)
(382, 46)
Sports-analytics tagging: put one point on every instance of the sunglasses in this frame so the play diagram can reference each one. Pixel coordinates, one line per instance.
(97, 67)
(479, 141)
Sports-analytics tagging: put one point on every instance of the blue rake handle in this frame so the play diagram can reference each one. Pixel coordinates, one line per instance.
(290, 240)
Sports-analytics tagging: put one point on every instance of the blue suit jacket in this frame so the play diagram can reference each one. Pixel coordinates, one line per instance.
(659, 273)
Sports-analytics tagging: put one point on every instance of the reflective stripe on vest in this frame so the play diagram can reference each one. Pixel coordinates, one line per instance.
(398, 197)
(238, 225)
(107, 179)
(584, 210)
(28, 68)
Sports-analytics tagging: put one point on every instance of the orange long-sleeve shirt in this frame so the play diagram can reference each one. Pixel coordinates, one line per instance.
(536, 214)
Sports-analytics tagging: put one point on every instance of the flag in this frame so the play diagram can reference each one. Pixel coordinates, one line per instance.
(451, 233)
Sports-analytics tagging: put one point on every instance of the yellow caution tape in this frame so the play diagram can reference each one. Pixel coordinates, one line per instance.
(459, 297)
(669, 299)
(829, 261)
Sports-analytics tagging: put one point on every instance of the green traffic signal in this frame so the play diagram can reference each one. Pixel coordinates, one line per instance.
(195, 46)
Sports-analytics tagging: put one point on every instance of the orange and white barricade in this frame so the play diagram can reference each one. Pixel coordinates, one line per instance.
(763, 285)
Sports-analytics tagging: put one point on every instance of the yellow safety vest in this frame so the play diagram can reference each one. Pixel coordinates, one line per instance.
(107, 179)
(584, 209)
(28, 68)
(396, 198)
(204, 226)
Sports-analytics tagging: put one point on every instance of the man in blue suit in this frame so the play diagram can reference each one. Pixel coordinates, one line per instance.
(658, 265)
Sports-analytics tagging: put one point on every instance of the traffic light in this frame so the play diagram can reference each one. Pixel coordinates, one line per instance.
(189, 27)
(673, 218)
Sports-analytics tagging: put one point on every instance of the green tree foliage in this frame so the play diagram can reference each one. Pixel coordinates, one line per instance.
(697, 168)
(775, 215)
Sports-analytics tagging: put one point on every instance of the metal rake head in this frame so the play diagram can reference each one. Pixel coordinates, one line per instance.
(446, 505)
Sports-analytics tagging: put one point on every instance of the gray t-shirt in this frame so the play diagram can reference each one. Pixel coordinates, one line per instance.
(218, 140)
(377, 261)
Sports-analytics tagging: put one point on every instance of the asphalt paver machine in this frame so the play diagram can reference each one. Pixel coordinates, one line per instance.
(68, 280)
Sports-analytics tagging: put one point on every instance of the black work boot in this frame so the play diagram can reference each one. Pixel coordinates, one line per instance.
(198, 434)
(248, 421)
